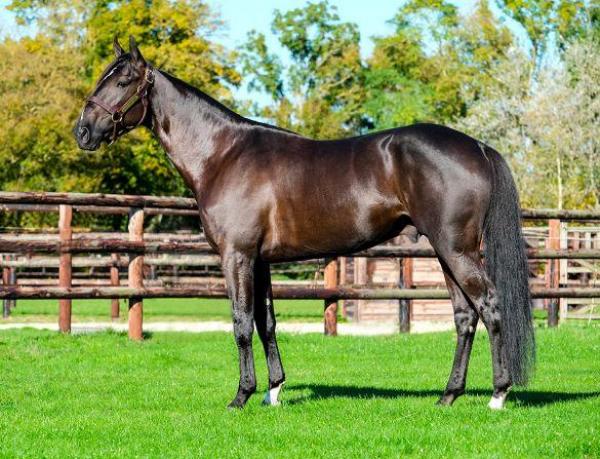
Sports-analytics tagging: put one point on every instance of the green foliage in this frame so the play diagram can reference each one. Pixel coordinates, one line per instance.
(432, 61)
(264, 70)
(320, 93)
(549, 23)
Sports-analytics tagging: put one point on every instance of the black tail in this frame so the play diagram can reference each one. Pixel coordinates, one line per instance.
(506, 264)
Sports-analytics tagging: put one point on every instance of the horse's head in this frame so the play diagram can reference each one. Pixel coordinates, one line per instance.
(119, 101)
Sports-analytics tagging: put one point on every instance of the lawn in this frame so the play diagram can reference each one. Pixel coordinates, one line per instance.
(161, 309)
(101, 395)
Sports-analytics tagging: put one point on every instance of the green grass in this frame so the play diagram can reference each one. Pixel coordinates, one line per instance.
(161, 309)
(103, 396)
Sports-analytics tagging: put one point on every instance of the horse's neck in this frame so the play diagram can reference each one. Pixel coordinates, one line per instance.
(187, 127)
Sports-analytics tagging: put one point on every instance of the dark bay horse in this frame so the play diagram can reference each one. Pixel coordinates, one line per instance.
(269, 195)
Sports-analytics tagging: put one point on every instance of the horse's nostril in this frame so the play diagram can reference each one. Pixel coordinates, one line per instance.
(84, 134)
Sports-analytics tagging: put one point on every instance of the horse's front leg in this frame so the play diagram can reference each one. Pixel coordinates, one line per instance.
(239, 274)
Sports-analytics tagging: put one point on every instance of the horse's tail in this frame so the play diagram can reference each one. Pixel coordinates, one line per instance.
(506, 264)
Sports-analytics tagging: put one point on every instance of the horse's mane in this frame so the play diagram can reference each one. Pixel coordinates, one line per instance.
(188, 89)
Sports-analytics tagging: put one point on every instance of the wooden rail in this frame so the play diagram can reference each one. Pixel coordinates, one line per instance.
(25, 244)
(100, 210)
(108, 262)
(130, 251)
(357, 292)
(97, 199)
(83, 245)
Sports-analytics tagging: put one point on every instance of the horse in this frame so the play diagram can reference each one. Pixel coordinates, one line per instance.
(268, 195)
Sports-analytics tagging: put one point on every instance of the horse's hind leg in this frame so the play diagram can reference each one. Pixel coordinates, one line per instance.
(466, 268)
(465, 319)
(264, 317)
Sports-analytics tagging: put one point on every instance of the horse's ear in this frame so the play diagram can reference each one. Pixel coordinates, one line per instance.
(135, 52)
(117, 47)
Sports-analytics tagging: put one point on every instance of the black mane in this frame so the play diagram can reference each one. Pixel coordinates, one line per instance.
(188, 89)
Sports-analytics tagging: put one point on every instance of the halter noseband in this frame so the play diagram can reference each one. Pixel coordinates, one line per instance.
(117, 112)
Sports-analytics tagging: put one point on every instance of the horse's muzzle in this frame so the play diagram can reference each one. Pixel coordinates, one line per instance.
(84, 138)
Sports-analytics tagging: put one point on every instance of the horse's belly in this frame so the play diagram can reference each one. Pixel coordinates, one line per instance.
(329, 232)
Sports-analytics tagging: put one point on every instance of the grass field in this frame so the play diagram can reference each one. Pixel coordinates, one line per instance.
(161, 309)
(103, 396)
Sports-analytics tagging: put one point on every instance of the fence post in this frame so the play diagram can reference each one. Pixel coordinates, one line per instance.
(361, 277)
(12, 280)
(343, 268)
(114, 282)
(553, 270)
(136, 273)
(405, 306)
(6, 283)
(563, 272)
(331, 306)
(65, 267)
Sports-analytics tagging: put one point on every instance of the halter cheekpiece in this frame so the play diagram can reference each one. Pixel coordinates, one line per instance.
(117, 112)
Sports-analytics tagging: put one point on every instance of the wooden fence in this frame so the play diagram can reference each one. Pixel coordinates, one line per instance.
(137, 245)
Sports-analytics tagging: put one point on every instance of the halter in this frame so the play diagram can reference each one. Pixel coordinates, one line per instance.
(117, 112)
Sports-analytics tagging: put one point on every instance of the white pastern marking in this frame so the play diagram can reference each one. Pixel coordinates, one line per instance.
(497, 403)
(272, 396)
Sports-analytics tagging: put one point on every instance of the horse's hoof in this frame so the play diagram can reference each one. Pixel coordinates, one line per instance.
(236, 405)
(445, 401)
(497, 402)
(272, 396)
(238, 402)
(449, 397)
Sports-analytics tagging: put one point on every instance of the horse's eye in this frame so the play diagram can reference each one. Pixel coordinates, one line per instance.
(122, 84)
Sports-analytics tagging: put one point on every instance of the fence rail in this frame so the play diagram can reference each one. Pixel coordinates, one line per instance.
(351, 292)
(135, 245)
(24, 244)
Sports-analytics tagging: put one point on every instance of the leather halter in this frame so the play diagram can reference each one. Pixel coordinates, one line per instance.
(117, 112)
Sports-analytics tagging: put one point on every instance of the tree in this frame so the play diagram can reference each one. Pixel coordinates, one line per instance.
(548, 131)
(320, 92)
(563, 125)
(550, 24)
(433, 60)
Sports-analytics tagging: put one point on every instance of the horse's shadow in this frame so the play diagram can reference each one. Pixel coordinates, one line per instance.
(522, 397)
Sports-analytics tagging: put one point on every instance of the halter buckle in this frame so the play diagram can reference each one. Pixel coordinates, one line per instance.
(117, 117)
(149, 75)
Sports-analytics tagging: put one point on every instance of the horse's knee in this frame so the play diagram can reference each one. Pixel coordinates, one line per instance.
(243, 328)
